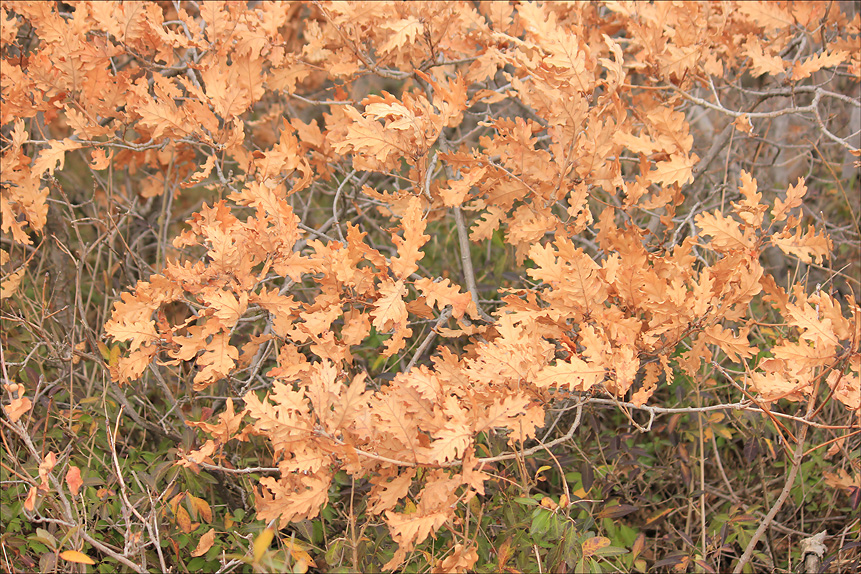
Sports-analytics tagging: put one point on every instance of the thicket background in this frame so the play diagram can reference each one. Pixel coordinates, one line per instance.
(497, 127)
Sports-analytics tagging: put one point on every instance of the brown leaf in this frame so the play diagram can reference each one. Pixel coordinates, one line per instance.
(205, 543)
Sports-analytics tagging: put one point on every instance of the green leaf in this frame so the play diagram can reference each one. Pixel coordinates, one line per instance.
(45, 537)
(611, 551)
(540, 525)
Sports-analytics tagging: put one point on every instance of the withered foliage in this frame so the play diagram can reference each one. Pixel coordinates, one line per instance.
(568, 131)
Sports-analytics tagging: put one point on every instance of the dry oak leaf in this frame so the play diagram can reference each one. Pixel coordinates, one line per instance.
(369, 137)
(390, 310)
(52, 157)
(769, 15)
(292, 500)
(677, 170)
(100, 159)
(411, 529)
(280, 307)
(131, 367)
(451, 441)
(461, 559)
(794, 196)
(131, 320)
(409, 247)
(803, 354)
(724, 231)
(808, 246)
(502, 413)
(734, 347)
(192, 458)
(742, 124)
(161, 114)
(217, 360)
(774, 382)
(227, 426)
(843, 481)
(442, 293)
(817, 329)
(847, 388)
(805, 69)
(457, 190)
(19, 405)
(231, 93)
(225, 305)
(385, 495)
(404, 31)
(576, 374)
(762, 63)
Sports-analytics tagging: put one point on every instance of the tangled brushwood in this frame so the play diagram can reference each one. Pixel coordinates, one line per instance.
(421, 238)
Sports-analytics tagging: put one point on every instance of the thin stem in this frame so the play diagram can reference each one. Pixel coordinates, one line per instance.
(784, 494)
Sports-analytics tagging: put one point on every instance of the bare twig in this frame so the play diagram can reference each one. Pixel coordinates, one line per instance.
(784, 494)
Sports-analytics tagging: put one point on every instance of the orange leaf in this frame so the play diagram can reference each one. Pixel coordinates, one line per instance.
(442, 293)
(389, 309)
(73, 480)
(183, 520)
(217, 360)
(725, 232)
(805, 69)
(409, 247)
(75, 556)
(30, 501)
(52, 157)
(678, 169)
(794, 197)
(201, 507)
(205, 543)
(17, 408)
(808, 246)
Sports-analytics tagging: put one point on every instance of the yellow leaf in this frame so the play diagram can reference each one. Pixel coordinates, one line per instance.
(201, 507)
(104, 351)
(262, 542)
(183, 520)
(594, 544)
(301, 558)
(75, 556)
